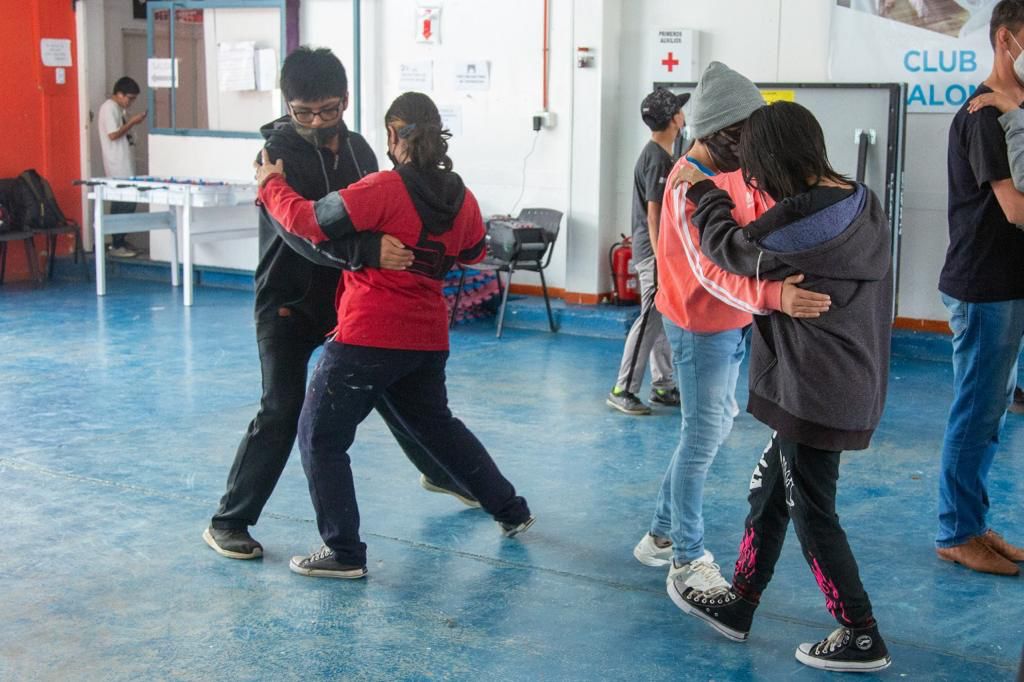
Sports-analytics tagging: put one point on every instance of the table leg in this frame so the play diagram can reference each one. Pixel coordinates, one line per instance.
(172, 220)
(99, 252)
(186, 247)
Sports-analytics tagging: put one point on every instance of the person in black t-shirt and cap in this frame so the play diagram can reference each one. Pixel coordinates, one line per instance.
(662, 112)
(982, 286)
(295, 288)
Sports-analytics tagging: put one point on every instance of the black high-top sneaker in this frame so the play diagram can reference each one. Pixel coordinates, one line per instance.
(722, 609)
(848, 650)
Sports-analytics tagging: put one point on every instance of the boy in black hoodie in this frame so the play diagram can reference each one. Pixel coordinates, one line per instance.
(819, 383)
(295, 287)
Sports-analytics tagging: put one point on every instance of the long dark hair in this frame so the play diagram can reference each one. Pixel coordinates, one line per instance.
(425, 136)
(782, 145)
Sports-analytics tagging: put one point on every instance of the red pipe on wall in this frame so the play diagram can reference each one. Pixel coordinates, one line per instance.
(547, 51)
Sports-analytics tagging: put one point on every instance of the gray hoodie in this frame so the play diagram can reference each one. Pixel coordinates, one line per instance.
(825, 376)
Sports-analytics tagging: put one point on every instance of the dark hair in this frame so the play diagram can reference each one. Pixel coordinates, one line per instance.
(781, 146)
(313, 74)
(126, 86)
(423, 131)
(1008, 14)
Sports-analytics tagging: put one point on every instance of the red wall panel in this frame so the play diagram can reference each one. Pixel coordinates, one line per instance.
(39, 117)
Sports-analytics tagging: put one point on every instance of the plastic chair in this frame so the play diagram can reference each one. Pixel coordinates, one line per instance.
(532, 257)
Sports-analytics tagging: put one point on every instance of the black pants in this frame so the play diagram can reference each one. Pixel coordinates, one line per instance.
(268, 441)
(798, 482)
(117, 207)
(346, 384)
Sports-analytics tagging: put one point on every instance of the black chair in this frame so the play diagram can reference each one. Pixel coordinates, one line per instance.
(532, 255)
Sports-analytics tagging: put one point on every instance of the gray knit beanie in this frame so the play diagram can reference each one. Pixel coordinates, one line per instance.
(723, 97)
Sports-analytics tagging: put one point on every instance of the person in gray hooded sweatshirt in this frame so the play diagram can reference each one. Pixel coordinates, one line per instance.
(819, 383)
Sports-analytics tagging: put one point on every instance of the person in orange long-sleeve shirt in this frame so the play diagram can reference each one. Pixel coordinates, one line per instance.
(707, 312)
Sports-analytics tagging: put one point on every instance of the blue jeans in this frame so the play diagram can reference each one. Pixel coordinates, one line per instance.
(986, 343)
(706, 368)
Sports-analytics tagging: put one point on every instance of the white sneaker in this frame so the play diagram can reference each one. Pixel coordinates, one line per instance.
(699, 575)
(121, 252)
(648, 553)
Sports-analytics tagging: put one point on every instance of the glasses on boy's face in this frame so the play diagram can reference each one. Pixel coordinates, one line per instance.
(307, 116)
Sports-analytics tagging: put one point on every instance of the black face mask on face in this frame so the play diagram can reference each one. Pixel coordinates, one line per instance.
(722, 146)
(318, 136)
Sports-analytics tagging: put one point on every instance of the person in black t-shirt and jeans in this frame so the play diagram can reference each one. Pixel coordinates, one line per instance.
(982, 286)
(295, 288)
(662, 112)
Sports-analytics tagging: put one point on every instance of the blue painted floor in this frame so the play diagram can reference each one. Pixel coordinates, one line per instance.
(120, 418)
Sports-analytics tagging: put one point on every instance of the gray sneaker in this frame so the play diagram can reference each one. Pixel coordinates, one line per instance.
(322, 564)
(627, 403)
(233, 543)
(510, 530)
(662, 396)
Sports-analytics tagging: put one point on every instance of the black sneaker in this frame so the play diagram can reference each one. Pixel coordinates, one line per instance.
(848, 650)
(233, 543)
(627, 403)
(669, 397)
(510, 530)
(322, 564)
(722, 609)
(427, 484)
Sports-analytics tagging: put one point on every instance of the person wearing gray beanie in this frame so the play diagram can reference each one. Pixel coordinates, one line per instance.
(723, 98)
(706, 313)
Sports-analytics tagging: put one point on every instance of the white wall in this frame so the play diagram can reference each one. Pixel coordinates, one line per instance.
(584, 165)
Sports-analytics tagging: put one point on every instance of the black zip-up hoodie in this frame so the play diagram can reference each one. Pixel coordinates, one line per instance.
(292, 274)
(820, 382)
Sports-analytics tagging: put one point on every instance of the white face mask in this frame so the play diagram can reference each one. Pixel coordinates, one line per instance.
(1018, 62)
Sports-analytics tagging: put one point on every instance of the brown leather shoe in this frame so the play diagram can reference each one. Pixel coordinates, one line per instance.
(996, 542)
(976, 555)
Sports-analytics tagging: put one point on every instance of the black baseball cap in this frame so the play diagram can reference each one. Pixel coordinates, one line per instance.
(660, 106)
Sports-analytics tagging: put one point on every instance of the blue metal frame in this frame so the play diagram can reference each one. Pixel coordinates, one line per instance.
(154, 6)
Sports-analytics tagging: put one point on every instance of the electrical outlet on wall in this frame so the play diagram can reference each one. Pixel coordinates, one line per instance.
(544, 119)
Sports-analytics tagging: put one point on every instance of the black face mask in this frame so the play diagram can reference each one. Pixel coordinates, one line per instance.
(319, 137)
(723, 148)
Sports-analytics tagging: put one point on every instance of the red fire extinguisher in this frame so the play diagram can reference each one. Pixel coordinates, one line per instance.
(626, 289)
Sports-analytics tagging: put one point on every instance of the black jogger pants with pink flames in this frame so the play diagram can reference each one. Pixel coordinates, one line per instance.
(798, 482)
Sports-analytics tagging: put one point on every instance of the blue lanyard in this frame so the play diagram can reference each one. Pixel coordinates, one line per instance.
(701, 167)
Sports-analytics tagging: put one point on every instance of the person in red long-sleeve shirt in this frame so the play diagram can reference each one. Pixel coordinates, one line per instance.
(391, 342)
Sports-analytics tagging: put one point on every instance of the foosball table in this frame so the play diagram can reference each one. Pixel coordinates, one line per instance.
(183, 197)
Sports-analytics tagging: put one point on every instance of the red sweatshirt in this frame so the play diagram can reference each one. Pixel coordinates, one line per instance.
(693, 292)
(403, 310)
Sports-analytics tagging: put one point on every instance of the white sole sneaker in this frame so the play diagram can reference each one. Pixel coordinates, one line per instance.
(649, 554)
(350, 574)
(840, 666)
(517, 530)
(687, 608)
(208, 538)
(429, 486)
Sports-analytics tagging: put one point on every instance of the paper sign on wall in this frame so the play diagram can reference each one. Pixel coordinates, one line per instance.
(428, 25)
(778, 96)
(473, 76)
(159, 72)
(236, 66)
(55, 51)
(451, 118)
(418, 76)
